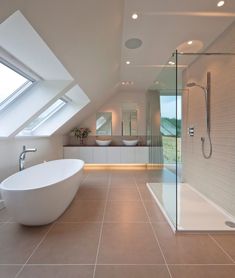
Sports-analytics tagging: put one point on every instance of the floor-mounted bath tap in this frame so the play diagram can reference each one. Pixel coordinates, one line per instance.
(23, 155)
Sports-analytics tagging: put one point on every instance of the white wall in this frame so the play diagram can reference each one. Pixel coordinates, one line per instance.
(47, 149)
(214, 177)
(114, 105)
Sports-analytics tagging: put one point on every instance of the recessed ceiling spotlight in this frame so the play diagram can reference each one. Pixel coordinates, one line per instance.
(127, 83)
(190, 42)
(171, 63)
(220, 4)
(128, 62)
(134, 16)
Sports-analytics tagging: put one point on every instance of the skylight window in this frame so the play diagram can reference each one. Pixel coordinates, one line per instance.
(49, 112)
(12, 84)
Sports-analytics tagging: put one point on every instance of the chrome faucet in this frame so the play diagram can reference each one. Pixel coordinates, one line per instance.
(23, 155)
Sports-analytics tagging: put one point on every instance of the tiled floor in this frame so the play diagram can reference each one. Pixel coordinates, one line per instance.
(114, 229)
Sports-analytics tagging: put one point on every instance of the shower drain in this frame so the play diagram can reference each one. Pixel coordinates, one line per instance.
(230, 224)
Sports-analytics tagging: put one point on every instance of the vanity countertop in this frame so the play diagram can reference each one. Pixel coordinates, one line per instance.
(104, 146)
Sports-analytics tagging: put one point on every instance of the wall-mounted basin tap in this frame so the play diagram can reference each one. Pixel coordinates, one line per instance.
(23, 155)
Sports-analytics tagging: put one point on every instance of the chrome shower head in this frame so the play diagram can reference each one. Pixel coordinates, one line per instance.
(192, 84)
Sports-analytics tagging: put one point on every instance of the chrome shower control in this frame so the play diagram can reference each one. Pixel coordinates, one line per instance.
(191, 131)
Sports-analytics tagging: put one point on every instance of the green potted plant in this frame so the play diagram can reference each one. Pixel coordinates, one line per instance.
(81, 133)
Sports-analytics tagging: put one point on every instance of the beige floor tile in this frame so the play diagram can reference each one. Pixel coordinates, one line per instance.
(124, 194)
(59, 271)
(227, 242)
(92, 192)
(212, 271)
(69, 243)
(154, 212)
(84, 211)
(145, 193)
(95, 182)
(9, 271)
(18, 242)
(122, 271)
(125, 212)
(4, 216)
(129, 244)
(188, 248)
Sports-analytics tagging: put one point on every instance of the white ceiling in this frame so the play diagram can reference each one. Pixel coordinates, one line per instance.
(88, 37)
(162, 26)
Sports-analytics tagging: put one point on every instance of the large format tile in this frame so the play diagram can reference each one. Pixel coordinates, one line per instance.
(154, 212)
(9, 271)
(206, 271)
(4, 216)
(69, 243)
(188, 248)
(227, 242)
(125, 212)
(92, 192)
(145, 193)
(128, 244)
(124, 194)
(123, 271)
(18, 242)
(84, 211)
(59, 271)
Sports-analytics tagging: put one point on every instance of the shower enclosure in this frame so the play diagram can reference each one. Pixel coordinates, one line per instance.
(191, 134)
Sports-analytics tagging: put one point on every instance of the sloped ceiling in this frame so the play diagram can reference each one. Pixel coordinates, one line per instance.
(88, 37)
(85, 36)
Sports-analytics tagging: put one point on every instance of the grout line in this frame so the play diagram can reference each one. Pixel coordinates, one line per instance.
(34, 250)
(102, 224)
(163, 264)
(225, 252)
(154, 234)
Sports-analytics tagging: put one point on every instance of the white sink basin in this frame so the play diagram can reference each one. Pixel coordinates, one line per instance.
(103, 142)
(130, 142)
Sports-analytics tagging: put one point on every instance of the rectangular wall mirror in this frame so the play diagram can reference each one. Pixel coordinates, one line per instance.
(104, 123)
(129, 122)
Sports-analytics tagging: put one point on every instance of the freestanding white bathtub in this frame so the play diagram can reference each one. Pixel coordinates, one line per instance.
(40, 194)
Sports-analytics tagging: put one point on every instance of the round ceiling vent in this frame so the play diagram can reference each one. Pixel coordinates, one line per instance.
(133, 43)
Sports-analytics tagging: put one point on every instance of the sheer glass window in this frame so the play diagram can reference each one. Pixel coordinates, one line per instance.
(12, 84)
(49, 112)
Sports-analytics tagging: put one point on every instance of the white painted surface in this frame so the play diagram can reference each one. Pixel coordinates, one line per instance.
(47, 149)
(109, 155)
(40, 194)
(195, 211)
(128, 155)
(113, 155)
(16, 30)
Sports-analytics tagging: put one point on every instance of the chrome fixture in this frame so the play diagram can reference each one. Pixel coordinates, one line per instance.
(23, 155)
(206, 91)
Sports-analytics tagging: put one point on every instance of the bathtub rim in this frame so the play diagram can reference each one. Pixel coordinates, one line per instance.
(4, 188)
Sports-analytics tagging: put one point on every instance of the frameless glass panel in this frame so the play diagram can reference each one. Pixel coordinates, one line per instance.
(162, 131)
(11, 83)
(49, 112)
(104, 123)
